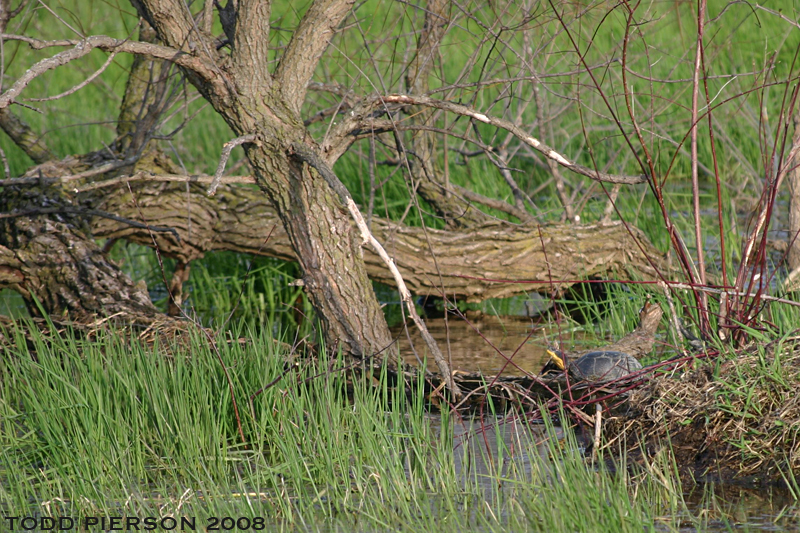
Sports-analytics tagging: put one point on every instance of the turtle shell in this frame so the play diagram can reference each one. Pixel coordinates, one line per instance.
(603, 366)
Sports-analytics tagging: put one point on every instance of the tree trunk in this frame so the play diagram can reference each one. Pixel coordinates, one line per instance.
(266, 106)
(50, 261)
(329, 252)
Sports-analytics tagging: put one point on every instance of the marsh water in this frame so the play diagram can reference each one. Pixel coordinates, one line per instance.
(489, 449)
(487, 344)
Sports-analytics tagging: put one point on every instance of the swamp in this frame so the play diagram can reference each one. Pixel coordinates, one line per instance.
(430, 265)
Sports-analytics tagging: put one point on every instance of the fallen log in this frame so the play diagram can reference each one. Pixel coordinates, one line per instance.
(491, 261)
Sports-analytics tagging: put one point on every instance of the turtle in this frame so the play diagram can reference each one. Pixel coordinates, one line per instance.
(596, 367)
(615, 360)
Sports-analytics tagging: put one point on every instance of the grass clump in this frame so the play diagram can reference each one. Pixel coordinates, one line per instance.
(735, 416)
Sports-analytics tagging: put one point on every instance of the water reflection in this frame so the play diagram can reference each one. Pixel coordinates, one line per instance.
(488, 344)
(729, 507)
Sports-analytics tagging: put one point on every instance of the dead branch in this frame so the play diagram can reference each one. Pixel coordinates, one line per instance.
(79, 86)
(517, 132)
(223, 160)
(368, 105)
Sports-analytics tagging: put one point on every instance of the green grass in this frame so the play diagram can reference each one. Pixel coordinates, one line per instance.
(113, 427)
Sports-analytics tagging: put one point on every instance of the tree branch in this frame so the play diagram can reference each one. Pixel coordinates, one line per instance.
(101, 42)
(172, 22)
(223, 160)
(33, 145)
(405, 100)
(79, 86)
(304, 51)
(251, 47)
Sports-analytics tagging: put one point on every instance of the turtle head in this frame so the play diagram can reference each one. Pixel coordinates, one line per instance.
(556, 359)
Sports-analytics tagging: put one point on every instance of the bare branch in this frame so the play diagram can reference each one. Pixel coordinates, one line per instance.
(357, 116)
(501, 162)
(223, 160)
(436, 22)
(333, 88)
(304, 51)
(79, 86)
(18, 9)
(202, 68)
(499, 205)
(561, 189)
(60, 19)
(517, 132)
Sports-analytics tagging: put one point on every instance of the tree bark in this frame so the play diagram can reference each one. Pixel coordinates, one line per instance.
(54, 266)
